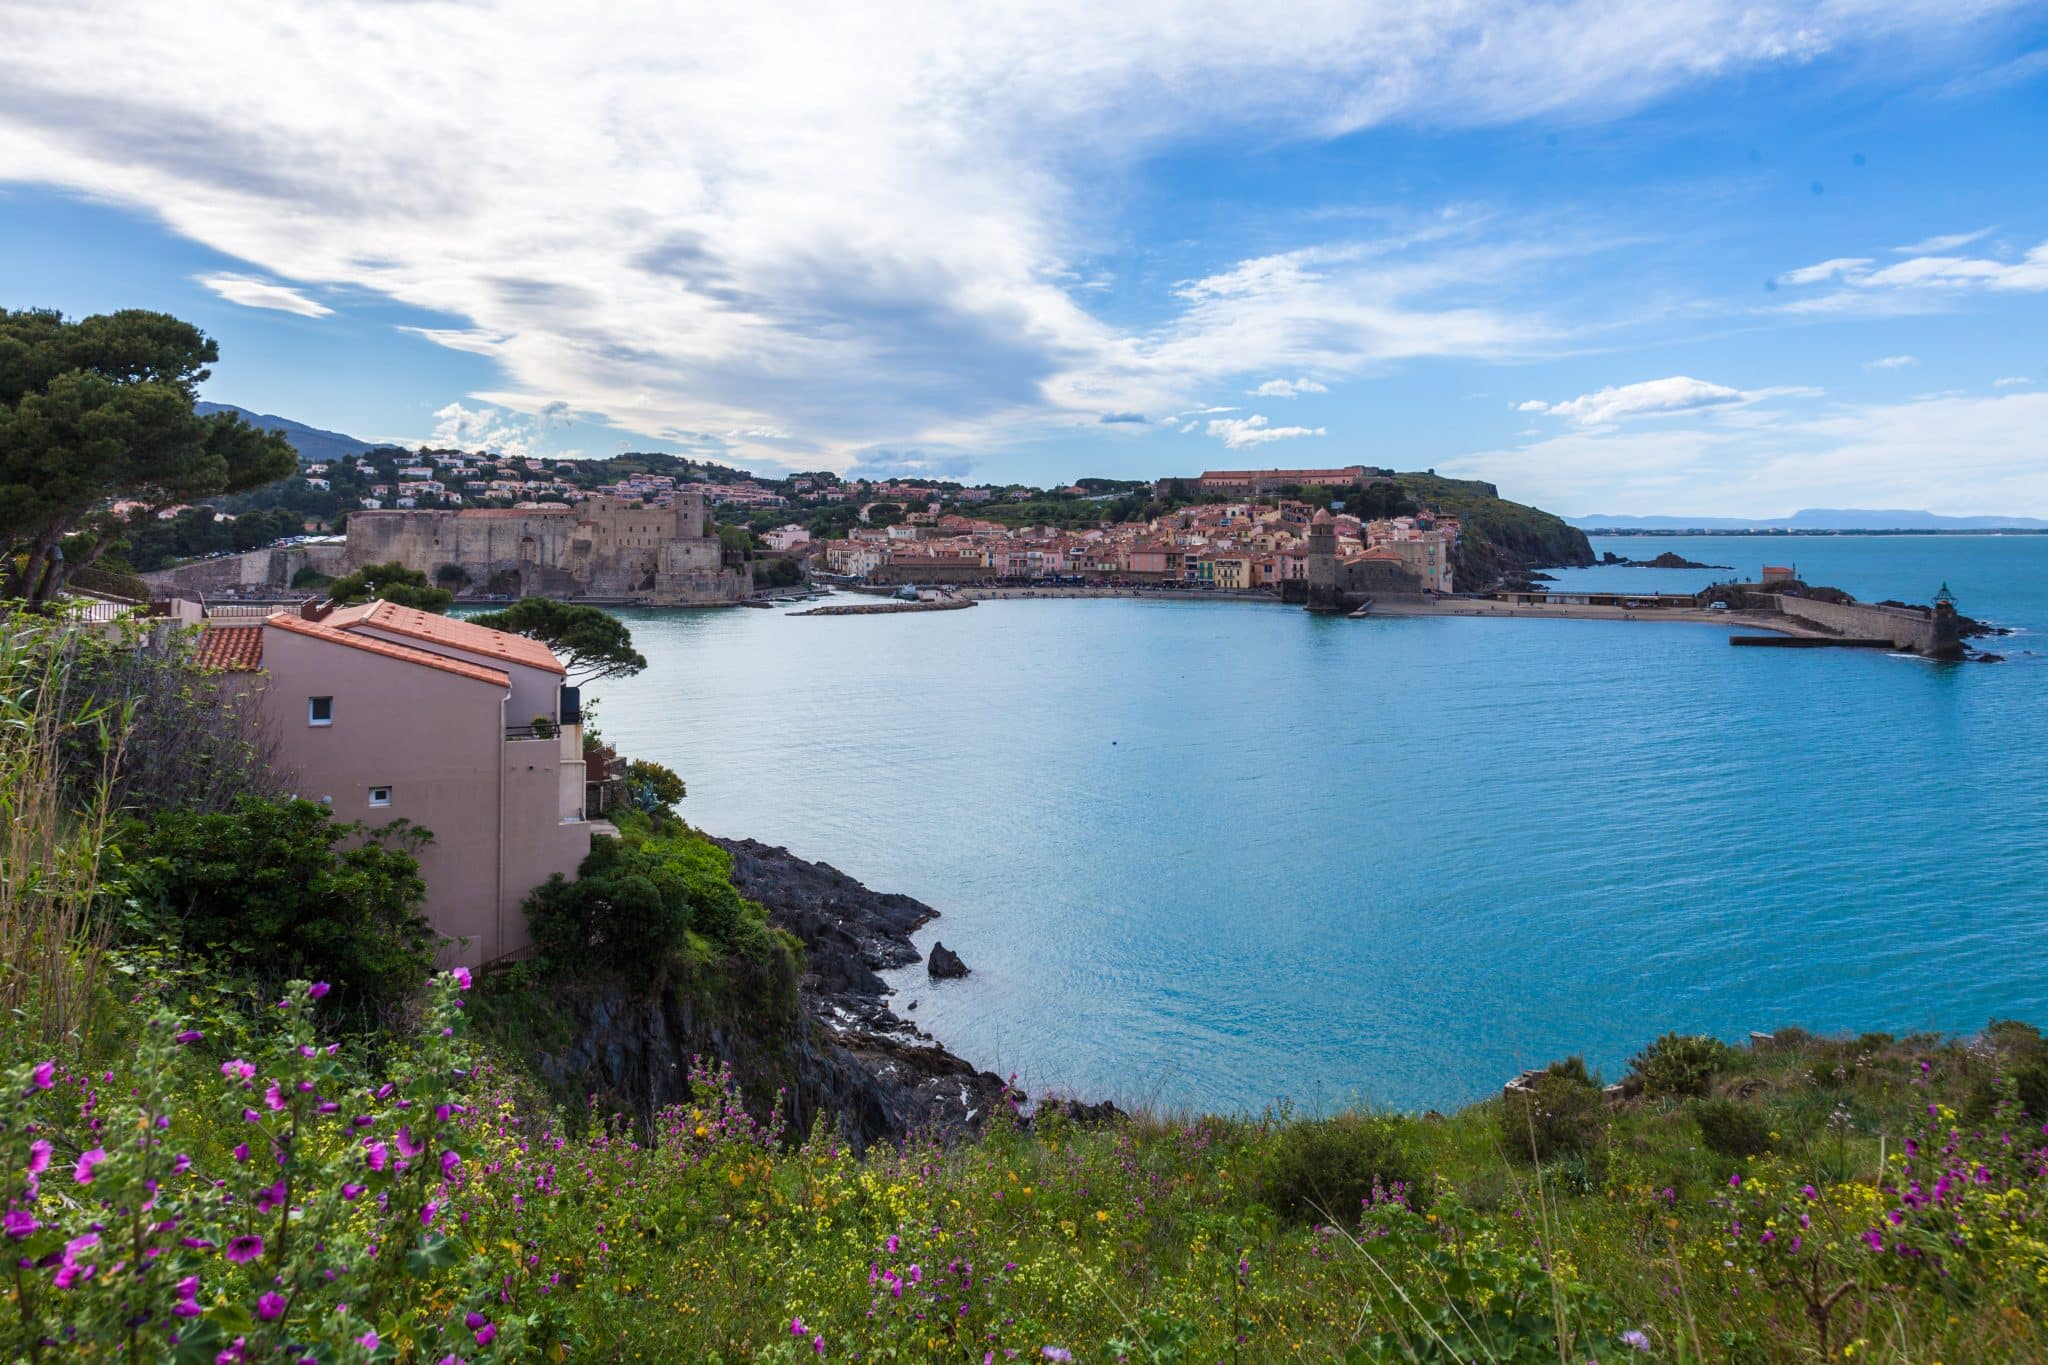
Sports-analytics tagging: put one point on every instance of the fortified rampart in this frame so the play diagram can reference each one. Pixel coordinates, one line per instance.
(1921, 632)
(257, 570)
(607, 547)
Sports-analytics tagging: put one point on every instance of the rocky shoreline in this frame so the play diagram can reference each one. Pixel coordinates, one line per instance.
(852, 934)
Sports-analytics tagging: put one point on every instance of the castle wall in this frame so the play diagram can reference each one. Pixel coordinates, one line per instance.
(607, 547)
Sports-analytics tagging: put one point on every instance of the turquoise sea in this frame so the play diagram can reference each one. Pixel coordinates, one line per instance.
(1214, 855)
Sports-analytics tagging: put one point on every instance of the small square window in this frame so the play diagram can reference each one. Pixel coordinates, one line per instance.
(319, 710)
(380, 796)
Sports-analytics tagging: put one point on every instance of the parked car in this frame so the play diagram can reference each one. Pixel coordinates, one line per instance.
(1717, 606)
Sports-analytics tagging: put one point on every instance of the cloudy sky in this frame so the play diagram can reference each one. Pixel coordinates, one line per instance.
(1727, 256)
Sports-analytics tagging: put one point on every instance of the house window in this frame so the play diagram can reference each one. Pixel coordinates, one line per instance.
(380, 796)
(319, 710)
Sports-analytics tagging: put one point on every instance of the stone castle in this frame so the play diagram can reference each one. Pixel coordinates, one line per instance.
(1343, 583)
(603, 547)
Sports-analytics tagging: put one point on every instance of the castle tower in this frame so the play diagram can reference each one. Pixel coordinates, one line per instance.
(1322, 563)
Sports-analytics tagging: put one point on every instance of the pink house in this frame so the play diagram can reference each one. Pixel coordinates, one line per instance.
(384, 713)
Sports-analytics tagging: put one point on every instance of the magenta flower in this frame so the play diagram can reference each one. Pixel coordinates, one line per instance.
(427, 1214)
(268, 1200)
(1056, 1353)
(237, 1070)
(486, 1334)
(376, 1155)
(368, 1340)
(190, 1035)
(317, 990)
(273, 1097)
(241, 1152)
(270, 1307)
(351, 1193)
(19, 1223)
(38, 1157)
(87, 1161)
(408, 1145)
(449, 1161)
(44, 1076)
(245, 1248)
(797, 1328)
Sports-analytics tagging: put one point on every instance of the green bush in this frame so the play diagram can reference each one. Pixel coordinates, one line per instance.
(267, 890)
(1562, 1113)
(1681, 1064)
(1327, 1170)
(1731, 1128)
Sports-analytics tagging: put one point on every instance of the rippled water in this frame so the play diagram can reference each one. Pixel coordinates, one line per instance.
(1214, 854)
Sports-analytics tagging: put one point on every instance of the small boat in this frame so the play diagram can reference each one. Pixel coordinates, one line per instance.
(1364, 610)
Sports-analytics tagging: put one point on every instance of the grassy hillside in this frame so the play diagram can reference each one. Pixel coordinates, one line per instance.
(1501, 538)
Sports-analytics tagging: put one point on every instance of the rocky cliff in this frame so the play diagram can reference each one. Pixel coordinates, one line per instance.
(826, 1044)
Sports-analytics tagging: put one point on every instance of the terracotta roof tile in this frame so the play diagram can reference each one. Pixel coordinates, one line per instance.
(370, 645)
(230, 649)
(482, 641)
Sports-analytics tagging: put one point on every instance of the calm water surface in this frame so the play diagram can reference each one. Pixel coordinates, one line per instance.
(1214, 854)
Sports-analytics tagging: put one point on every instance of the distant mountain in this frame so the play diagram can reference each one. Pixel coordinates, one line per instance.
(1814, 519)
(313, 444)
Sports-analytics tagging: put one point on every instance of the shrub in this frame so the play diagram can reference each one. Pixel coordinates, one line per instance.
(268, 890)
(1731, 1128)
(1327, 1170)
(1681, 1064)
(1561, 1113)
(655, 789)
(609, 922)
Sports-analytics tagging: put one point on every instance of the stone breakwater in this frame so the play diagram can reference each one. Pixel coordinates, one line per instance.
(888, 608)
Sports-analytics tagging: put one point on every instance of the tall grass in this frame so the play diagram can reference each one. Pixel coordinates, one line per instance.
(54, 835)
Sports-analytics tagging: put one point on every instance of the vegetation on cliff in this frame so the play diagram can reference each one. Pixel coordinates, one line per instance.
(1501, 538)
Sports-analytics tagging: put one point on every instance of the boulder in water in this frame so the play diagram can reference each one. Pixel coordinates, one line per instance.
(944, 963)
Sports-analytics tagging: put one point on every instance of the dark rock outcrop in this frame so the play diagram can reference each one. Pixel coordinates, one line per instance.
(945, 964)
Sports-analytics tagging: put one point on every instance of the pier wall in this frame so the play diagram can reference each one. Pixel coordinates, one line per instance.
(1860, 621)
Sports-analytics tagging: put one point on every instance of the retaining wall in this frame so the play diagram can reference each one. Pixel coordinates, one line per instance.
(1860, 621)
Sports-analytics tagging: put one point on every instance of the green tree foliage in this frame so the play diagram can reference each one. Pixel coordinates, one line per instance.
(884, 514)
(1681, 1064)
(278, 889)
(391, 582)
(638, 901)
(1328, 1170)
(654, 788)
(1561, 1113)
(100, 409)
(591, 644)
(1731, 1128)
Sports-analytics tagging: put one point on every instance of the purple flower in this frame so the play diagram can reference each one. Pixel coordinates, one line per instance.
(351, 1193)
(1635, 1340)
(38, 1156)
(408, 1145)
(797, 1328)
(376, 1155)
(486, 1334)
(317, 990)
(237, 1070)
(368, 1340)
(1056, 1353)
(270, 1307)
(267, 1200)
(449, 1161)
(190, 1035)
(19, 1223)
(82, 1172)
(273, 1097)
(1735, 1181)
(893, 1243)
(427, 1214)
(245, 1248)
(44, 1076)
(462, 978)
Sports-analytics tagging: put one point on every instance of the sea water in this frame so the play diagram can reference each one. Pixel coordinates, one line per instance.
(1219, 855)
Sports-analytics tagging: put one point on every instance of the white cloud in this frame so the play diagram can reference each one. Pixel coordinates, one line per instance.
(1532, 405)
(1287, 388)
(1242, 433)
(1955, 454)
(1892, 362)
(1937, 245)
(255, 293)
(492, 429)
(2012, 381)
(1919, 283)
(1826, 270)
(1651, 398)
(858, 225)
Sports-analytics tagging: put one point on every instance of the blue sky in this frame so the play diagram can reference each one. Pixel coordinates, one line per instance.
(1615, 256)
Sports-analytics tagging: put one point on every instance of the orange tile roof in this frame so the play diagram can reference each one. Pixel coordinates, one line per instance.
(370, 645)
(481, 641)
(230, 649)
